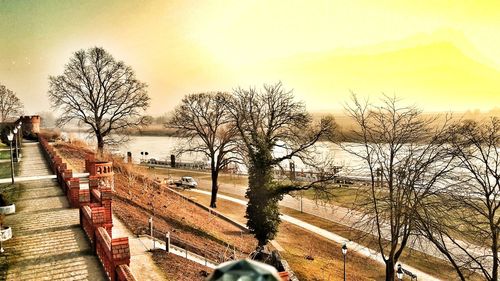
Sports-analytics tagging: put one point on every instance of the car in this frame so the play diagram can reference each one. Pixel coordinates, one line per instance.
(187, 182)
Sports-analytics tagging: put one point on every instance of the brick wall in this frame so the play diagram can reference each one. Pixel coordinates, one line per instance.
(95, 206)
(31, 124)
(69, 184)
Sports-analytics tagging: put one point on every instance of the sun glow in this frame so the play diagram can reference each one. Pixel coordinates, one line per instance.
(442, 55)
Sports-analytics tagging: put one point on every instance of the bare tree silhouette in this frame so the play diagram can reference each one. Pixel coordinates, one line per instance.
(99, 92)
(406, 160)
(10, 105)
(202, 119)
(465, 224)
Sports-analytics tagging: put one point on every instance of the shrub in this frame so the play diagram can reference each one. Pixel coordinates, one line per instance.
(4, 199)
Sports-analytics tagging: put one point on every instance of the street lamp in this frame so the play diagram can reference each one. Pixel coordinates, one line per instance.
(10, 137)
(400, 272)
(19, 134)
(151, 228)
(344, 253)
(17, 151)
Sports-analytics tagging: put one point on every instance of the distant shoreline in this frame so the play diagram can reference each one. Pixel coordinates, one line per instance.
(152, 131)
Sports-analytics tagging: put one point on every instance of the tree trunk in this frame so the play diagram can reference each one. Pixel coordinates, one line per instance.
(100, 144)
(215, 188)
(494, 249)
(389, 270)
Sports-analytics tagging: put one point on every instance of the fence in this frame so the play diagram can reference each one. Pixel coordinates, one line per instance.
(184, 248)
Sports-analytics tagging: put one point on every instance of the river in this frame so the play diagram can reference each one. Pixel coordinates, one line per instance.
(161, 147)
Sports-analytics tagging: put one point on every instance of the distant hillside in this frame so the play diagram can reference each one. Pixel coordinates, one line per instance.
(345, 123)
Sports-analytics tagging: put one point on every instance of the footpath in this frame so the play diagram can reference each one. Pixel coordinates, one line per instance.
(47, 242)
(141, 260)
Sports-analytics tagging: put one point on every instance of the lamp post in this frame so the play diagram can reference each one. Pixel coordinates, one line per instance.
(15, 141)
(10, 137)
(400, 272)
(344, 253)
(151, 229)
(19, 134)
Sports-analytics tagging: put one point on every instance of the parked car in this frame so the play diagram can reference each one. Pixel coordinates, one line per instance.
(187, 182)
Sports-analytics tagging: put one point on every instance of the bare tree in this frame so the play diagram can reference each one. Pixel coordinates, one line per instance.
(99, 92)
(202, 119)
(10, 105)
(465, 223)
(267, 121)
(405, 163)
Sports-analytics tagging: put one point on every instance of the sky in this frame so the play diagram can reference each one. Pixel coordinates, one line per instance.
(439, 55)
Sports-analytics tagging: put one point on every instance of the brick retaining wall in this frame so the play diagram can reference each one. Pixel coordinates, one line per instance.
(95, 206)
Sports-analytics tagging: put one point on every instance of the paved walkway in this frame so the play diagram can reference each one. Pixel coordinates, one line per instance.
(33, 162)
(47, 243)
(141, 261)
(33, 166)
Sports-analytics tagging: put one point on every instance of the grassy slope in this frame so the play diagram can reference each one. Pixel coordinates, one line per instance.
(184, 220)
(299, 243)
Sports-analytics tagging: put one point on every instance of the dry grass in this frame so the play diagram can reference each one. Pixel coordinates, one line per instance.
(188, 221)
(429, 264)
(328, 259)
(74, 154)
(299, 243)
(177, 268)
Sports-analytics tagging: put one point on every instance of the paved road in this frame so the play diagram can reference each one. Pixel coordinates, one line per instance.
(47, 243)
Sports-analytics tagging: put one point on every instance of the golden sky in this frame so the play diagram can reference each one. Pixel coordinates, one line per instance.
(440, 55)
